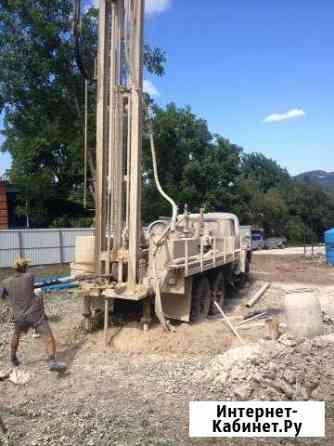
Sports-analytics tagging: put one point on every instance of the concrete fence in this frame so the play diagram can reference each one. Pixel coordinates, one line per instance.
(41, 246)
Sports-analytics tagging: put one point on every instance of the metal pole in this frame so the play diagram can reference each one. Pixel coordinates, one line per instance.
(113, 79)
(85, 145)
(103, 65)
(312, 239)
(116, 122)
(228, 322)
(106, 321)
(136, 141)
(186, 257)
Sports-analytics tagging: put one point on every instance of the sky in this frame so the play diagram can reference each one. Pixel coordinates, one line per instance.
(260, 73)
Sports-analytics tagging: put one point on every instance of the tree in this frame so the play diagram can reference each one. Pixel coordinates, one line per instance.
(264, 171)
(212, 179)
(180, 138)
(270, 212)
(194, 168)
(311, 205)
(42, 96)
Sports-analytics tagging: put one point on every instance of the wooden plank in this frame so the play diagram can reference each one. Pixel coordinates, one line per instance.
(228, 322)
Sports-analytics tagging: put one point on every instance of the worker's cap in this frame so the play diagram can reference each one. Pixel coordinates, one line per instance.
(21, 263)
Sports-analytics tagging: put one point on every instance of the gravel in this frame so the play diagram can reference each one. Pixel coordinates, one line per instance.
(291, 369)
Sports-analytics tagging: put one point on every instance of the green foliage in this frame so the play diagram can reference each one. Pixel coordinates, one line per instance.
(311, 204)
(296, 230)
(264, 171)
(205, 171)
(42, 97)
(194, 168)
(155, 60)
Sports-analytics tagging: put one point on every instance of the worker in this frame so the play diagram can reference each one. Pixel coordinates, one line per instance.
(28, 312)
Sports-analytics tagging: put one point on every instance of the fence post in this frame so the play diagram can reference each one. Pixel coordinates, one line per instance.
(20, 240)
(61, 247)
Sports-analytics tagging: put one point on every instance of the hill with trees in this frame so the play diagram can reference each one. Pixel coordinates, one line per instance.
(318, 177)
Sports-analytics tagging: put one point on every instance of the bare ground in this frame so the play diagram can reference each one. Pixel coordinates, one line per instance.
(136, 392)
(292, 269)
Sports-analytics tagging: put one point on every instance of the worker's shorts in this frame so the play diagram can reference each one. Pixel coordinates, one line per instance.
(38, 322)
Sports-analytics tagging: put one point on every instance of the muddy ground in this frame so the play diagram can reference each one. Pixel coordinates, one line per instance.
(137, 391)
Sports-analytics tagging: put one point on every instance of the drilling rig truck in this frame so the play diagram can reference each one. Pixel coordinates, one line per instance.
(176, 267)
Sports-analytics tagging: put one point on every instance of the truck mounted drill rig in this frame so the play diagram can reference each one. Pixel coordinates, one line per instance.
(178, 266)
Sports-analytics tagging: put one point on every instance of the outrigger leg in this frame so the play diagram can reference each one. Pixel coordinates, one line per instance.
(146, 320)
(158, 307)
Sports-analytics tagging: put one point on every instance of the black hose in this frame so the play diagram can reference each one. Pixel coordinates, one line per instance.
(79, 62)
(76, 17)
(77, 36)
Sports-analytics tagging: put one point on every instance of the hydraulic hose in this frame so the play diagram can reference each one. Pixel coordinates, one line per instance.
(157, 181)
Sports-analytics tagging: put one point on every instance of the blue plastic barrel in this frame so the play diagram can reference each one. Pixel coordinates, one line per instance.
(329, 242)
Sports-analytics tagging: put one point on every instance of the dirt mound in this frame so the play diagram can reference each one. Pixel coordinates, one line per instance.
(286, 370)
(209, 337)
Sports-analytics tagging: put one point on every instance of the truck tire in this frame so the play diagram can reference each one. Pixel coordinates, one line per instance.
(200, 302)
(218, 293)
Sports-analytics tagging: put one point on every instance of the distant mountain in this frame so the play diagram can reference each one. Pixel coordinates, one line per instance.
(319, 177)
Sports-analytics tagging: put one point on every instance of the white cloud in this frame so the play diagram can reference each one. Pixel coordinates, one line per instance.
(156, 6)
(291, 114)
(150, 89)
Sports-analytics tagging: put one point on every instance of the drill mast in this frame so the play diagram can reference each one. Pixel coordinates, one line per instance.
(119, 138)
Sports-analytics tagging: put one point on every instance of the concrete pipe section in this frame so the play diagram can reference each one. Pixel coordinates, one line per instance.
(303, 314)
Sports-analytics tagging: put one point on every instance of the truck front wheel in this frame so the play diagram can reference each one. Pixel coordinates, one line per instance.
(218, 292)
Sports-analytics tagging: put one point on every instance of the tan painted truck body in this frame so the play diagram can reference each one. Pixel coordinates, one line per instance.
(201, 247)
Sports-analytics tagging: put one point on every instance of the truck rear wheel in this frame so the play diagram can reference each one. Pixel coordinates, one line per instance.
(200, 302)
(218, 292)
(244, 277)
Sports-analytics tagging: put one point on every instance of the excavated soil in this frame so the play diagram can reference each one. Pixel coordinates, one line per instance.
(290, 369)
(210, 338)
